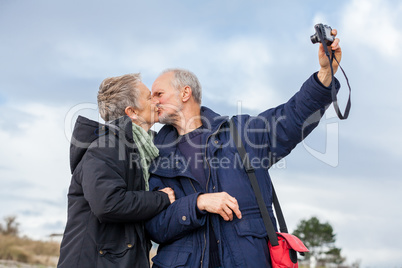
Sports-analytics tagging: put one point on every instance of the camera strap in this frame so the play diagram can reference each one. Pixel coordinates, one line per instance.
(271, 232)
(333, 89)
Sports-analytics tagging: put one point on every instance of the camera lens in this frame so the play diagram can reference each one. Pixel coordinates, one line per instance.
(314, 38)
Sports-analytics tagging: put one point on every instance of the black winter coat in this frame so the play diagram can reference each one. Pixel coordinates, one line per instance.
(107, 203)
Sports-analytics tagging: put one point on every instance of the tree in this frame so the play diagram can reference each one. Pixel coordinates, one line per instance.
(319, 238)
(11, 227)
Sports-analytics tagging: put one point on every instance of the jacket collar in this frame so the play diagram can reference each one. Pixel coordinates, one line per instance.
(166, 139)
(121, 126)
(87, 131)
(169, 163)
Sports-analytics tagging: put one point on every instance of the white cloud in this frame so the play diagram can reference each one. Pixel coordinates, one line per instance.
(242, 64)
(36, 177)
(375, 24)
(235, 69)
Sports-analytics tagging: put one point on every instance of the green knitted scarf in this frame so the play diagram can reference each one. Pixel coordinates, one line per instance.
(147, 149)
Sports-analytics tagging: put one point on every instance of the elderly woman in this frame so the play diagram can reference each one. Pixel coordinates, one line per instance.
(107, 201)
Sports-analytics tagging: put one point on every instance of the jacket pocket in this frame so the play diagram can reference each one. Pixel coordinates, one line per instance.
(252, 242)
(251, 227)
(169, 257)
(113, 253)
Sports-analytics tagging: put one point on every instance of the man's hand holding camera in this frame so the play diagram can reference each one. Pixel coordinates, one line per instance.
(324, 74)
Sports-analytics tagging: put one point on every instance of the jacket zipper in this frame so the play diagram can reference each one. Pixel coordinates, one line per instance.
(205, 154)
(209, 176)
(206, 187)
(205, 238)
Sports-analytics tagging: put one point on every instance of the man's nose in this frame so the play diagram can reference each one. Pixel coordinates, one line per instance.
(155, 100)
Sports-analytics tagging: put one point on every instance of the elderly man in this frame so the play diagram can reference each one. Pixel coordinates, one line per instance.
(215, 220)
(107, 201)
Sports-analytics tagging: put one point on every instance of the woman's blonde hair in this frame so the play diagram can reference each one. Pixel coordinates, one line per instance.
(117, 93)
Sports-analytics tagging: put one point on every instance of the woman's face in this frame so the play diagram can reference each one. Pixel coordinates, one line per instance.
(147, 113)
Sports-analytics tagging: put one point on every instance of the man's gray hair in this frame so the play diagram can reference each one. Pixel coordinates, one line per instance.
(117, 93)
(184, 78)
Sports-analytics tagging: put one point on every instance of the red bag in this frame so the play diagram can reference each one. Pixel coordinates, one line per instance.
(285, 254)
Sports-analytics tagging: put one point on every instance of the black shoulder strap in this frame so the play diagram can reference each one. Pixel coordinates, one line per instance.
(254, 183)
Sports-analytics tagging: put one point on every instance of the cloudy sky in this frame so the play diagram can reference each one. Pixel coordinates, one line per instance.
(249, 56)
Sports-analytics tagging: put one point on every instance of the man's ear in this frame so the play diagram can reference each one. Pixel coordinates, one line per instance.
(131, 112)
(187, 92)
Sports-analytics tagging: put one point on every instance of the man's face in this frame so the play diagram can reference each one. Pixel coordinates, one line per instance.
(167, 99)
(148, 112)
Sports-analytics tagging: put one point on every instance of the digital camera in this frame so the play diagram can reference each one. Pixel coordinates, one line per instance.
(325, 30)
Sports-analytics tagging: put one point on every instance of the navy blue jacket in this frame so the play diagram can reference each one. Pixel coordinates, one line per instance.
(107, 201)
(181, 230)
